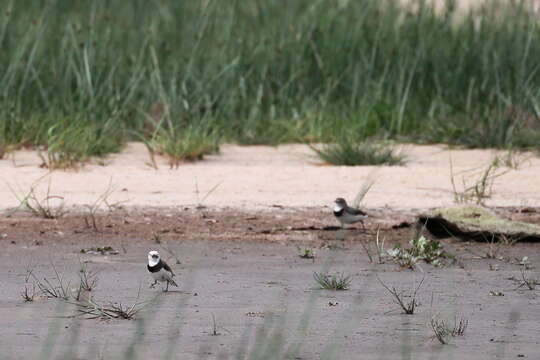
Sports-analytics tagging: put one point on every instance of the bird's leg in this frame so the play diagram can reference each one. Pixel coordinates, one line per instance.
(363, 226)
(167, 287)
(153, 284)
(341, 234)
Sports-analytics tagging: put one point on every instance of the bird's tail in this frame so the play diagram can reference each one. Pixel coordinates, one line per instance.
(366, 186)
(171, 281)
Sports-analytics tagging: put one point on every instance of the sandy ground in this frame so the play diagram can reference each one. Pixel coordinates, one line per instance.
(239, 259)
(258, 289)
(261, 177)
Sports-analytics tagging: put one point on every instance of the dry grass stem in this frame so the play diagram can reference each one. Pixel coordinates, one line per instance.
(407, 307)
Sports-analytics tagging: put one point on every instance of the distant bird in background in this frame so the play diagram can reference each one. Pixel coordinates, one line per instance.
(351, 214)
(159, 270)
(348, 215)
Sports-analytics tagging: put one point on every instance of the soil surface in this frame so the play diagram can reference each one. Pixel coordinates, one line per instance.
(240, 274)
(232, 227)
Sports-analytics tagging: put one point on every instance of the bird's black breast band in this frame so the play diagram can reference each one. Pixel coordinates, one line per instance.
(156, 267)
(339, 213)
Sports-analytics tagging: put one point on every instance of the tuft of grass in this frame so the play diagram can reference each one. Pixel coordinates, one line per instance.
(86, 305)
(48, 207)
(92, 310)
(67, 143)
(350, 152)
(478, 185)
(496, 243)
(55, 289)
(338, 281)
(443, 331)
(182, 144)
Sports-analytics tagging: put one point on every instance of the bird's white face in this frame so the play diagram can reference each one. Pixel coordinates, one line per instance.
(339, 204)
(153, 258)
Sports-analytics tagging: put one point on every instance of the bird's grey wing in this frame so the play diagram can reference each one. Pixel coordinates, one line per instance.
(172, 282)
(167, 267)
(169, 277)
(355, 211)
(169, 274)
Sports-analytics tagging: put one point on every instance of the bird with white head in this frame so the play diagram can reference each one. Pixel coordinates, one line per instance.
(160, 270)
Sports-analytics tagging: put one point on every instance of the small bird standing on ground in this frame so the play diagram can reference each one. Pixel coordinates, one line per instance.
(348, 215)
(159, 270)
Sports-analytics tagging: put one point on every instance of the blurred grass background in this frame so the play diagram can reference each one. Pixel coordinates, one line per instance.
(80, 78)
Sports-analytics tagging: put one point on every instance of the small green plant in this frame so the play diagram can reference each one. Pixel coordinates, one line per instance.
(407, 307)
(306, 253)
(349, 152)
(422, 249)
(337, 281)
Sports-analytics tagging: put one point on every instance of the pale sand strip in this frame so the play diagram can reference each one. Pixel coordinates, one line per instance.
(261, 176)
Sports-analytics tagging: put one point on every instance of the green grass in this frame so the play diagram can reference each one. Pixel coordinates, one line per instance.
(363, 152)
(3, 148)
(183, 144)
(430, 251)
(264, 72)
(337, 281)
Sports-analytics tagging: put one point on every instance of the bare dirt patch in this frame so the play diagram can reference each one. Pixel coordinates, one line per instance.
(244, 290)
(241, 277)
